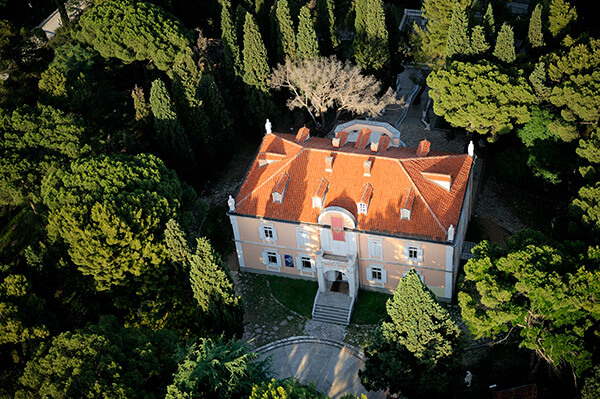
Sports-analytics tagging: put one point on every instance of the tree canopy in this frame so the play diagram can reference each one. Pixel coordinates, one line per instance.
(545, 291)
(111, 212)
(370, 44)
(480, 97)
(134, 31)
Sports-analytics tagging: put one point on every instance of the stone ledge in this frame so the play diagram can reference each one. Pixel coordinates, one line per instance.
(311, 340)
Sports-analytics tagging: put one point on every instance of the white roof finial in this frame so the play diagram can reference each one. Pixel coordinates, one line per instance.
(231, 203)
(471, 149)
(451, 233)
(268, 127)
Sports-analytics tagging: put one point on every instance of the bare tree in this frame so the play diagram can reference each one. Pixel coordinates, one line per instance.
(326, 84)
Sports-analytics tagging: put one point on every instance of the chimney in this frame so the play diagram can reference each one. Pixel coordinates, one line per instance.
(423, 149)
(374, 147)
(340, 139)
(384, 143)
(367, 168)
(363, 138)
(319, 198)
(280, 187)
(303, 135)
(328, 164)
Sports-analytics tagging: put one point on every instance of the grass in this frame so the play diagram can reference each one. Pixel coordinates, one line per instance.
(297, 295)
(369, 308)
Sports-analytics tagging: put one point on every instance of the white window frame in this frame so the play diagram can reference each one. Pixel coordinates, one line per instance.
(362, 208)
(304, 271)
(262, 232)
(376, 282)
(373, 245)
(408, 247)
(274, 267)
(303, 242)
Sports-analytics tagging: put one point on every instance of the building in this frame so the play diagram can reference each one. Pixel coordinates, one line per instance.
(356, 211)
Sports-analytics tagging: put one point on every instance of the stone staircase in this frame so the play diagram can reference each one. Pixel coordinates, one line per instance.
(332, 307)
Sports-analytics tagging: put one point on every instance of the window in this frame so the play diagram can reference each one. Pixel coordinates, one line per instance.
(376, 273)
(375, 250)
(306, 262)
(413, 253)
(272, 258)
(267, 232)
(362, 208)
(303, 238)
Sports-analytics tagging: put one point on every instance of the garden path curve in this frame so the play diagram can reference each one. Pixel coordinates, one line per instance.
(332, 365)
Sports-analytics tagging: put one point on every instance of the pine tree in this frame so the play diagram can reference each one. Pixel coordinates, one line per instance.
(256, 73)
(560, 15)
(458, 36)
(308, 47)
(213, 290)
(371, 37)
(489, 22)
(286, 39)
(538, 82)
(170, 133)
(505, 44)
(231, 48)
(479, 44)
(535, 34)
(327, 25)
(417, 351)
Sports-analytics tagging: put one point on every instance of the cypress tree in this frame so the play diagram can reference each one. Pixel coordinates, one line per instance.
(505, 44)
(230, 40)
(538, 82)
(559, 16)
(371, 37)
(170, 133)
(219, 118)
(308, 47)
(326, 24)
(535, 35)
(286, 39)
(489, 22)
(257, 75)
(458, 36)
(478, 43)
(417, 344)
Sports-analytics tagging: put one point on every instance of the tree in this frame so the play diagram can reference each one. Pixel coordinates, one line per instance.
(327, 25)
(458, 36)
(8, 37)
(435, 36)
(110, 211)
(591, 388)
(326, 84)
(415, 352)
(576, 90)
(256, 73)
(288, 389)
(479, 44)
(171, 137)
(100, 361)
(480, 98)
(142, 108)
(535, 34)
(286, 39)
(543, 290)
(505, 45)
(63, 12)
(308, 46)
(229, 37)
(560, 14)
(587, 206)
(538, 82)
(217, 369)
(371, 37)
(536, 129)
(20, 310)
(134, 31)
(489, 21)
(36, 141)
(213, 290)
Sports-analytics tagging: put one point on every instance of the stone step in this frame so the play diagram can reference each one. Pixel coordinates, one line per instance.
(333, 312)
(330, 320)
(331, 316)
(337, 308)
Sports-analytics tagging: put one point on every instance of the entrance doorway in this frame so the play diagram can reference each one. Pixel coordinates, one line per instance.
(339, 285)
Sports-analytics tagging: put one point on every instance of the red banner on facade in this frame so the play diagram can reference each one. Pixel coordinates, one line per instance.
(337, 229)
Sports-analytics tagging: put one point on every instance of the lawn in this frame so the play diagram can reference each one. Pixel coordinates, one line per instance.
(369, 308)
(297, 295)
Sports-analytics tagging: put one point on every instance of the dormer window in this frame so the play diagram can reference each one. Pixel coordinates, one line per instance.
(407, 204)
(280, 187)
(319, 198)
(366, 193)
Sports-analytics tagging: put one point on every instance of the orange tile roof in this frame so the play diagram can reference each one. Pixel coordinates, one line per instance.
(393, 171)
(523, 392)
